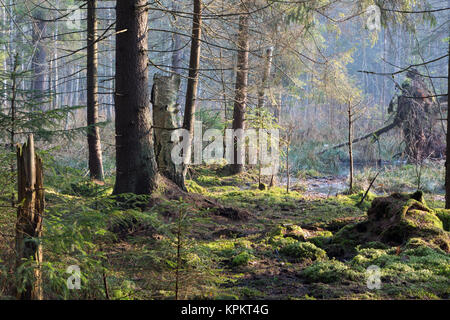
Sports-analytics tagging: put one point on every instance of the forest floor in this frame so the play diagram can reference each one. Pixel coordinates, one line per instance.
(258, 265)
(278, 252)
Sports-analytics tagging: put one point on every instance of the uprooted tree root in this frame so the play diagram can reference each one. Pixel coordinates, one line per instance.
(170, 191)
(395, 220)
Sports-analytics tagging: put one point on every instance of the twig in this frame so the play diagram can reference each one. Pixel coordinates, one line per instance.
(368, 189)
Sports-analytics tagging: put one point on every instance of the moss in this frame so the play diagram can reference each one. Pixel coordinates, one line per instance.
(303, 251)
(392, 220)
(279, 241)
(310, 173)
(250, 293)
(320, 241)
(324, 233)
(329, 271)
(207, 181)
(365, 257)
(373, 245)
(223, 189)
(276, 231)
(223, 248)
(423, 219)
(444, 216)
(193, 186)
(345, 240)
(242, 259)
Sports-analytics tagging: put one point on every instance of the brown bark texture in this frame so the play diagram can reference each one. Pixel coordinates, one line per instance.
(192, 85)
(135, 158)
(93, 132)
(240, 92)
(29, 221)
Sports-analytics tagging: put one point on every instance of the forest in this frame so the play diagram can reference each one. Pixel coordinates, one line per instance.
(224, 150)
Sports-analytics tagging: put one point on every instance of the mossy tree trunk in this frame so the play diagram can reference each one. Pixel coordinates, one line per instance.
(29, 220)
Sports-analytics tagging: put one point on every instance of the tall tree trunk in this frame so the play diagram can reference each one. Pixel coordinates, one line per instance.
(29, 220)
(93, 132)
(39, 57)
(261, 102)
(135, 158)
(350, 145)
(12, 136)
(241, 92)
(176, 44)
(164, 100)
(265, 78)
(192, 85)
(447, 161)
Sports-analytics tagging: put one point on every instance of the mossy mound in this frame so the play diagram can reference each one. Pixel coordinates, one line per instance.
(301, 251)
(393, 220)
(329, 271)
(242, 259)
(287, 231)
(444, 216)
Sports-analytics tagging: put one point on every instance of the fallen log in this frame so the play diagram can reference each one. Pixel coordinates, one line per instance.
(376, 134)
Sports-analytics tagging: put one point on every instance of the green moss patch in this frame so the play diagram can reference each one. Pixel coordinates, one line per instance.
(301, 251)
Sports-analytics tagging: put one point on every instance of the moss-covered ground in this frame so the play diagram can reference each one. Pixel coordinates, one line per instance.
(279, 252)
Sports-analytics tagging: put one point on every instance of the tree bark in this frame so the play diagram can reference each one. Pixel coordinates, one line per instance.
(447, 160)
(192, 85)
(93, 131)
(350, 146)
(240, 92)
(135, 158)
(164, 100)
(265, 77)
(39, 57)
(176, 44)
(29, 220)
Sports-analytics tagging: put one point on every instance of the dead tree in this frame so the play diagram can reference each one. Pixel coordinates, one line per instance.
(29, 220)
(164, 100)
(413, 112)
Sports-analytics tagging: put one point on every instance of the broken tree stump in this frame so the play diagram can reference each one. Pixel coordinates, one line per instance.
(165, 108)
(29, 221)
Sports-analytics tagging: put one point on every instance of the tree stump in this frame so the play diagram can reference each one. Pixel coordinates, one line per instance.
(29, 221)
(165, 108)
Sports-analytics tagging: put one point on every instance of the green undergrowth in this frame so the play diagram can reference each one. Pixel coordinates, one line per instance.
(405, 178)
(281, 252)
